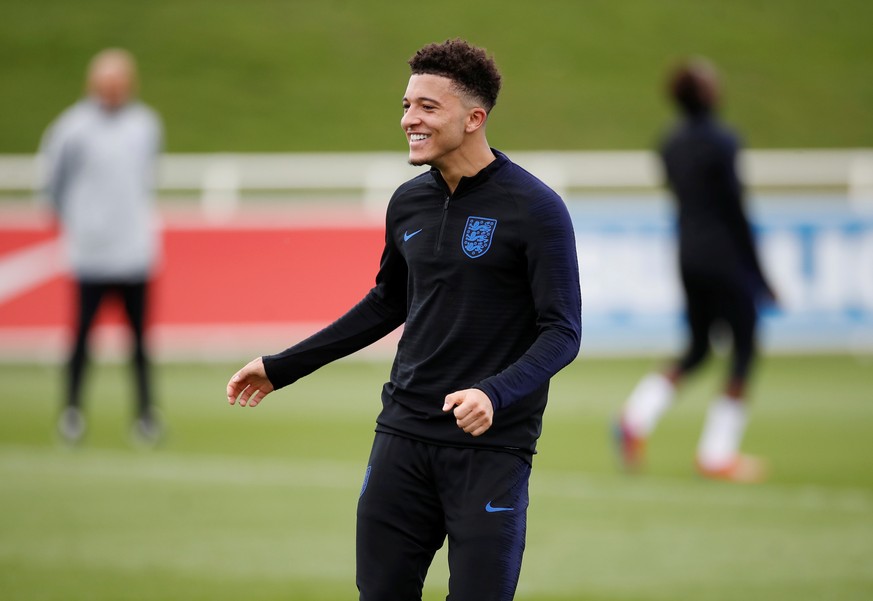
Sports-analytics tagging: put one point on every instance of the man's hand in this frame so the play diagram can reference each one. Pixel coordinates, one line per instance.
(473, 410)
(250, 384)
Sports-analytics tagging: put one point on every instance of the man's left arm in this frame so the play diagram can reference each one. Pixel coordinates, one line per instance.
(735, 214)
(553, 272)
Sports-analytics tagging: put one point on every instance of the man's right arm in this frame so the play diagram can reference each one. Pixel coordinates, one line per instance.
(379, 313)
(367, 322)
(51, 166)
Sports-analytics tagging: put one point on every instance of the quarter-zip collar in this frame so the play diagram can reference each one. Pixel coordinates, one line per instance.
(472, 181)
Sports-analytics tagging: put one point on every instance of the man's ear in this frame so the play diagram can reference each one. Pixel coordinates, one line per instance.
(476, 118)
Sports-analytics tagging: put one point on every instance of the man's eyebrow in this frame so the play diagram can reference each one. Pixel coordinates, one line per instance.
(423, 99)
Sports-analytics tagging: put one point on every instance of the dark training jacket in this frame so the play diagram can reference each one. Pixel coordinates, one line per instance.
(486, 281)
(715, 238)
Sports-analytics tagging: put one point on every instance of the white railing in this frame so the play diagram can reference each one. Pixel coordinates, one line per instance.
(221, 179)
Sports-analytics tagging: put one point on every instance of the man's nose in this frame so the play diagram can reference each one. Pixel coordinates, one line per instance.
(409, 118)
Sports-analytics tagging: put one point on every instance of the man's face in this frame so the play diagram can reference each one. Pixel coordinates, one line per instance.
(112, 84)
(434, 120)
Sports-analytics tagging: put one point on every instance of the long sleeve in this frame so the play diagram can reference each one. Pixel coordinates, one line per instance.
(734, 212)
(52, 166)
(380, 312)
(553, 272)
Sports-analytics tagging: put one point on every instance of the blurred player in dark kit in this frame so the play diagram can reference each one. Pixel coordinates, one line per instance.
(480, 267)
(721, 278)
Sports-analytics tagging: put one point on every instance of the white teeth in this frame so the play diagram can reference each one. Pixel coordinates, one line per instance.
(417, 137)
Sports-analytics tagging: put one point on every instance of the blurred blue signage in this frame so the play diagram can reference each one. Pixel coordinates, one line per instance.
(816, 250)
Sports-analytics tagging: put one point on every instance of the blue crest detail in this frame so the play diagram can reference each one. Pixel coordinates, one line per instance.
(366, 480)
(478, 234)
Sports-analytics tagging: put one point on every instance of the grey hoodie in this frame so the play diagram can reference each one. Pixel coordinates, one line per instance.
(99, 169)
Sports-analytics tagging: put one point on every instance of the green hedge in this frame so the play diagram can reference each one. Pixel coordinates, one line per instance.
(262, 75)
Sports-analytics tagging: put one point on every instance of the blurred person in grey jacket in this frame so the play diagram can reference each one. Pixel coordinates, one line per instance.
(99, 159)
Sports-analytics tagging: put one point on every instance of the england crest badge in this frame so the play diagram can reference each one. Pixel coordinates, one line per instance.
(478, 234)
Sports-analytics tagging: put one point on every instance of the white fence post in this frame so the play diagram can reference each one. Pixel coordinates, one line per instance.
(861, 182)
(220, 189)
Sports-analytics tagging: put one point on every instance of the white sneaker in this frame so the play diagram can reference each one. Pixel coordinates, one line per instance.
(147, 431)
(71, 426)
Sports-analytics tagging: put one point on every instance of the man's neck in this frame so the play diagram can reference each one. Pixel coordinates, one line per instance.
(466, 163)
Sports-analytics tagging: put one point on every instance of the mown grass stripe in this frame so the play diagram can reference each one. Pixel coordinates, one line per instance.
(212, 470)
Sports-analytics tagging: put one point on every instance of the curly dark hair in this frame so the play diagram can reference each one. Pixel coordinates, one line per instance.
(693, 86)
(469, 67)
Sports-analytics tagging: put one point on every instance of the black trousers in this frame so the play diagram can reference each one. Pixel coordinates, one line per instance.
(134, 298)
(712, 298)
(415, 495)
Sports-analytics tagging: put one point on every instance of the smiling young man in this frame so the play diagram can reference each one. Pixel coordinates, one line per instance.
(480, 267)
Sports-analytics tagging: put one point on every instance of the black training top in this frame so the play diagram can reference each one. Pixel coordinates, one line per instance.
(486, 281)
(700, 158)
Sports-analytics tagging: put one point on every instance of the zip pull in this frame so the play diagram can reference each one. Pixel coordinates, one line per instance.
(439, 243)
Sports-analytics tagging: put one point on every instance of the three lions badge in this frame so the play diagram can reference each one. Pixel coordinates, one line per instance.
(477, 237)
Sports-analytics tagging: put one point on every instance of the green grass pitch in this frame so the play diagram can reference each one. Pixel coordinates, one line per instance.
(259, 504)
